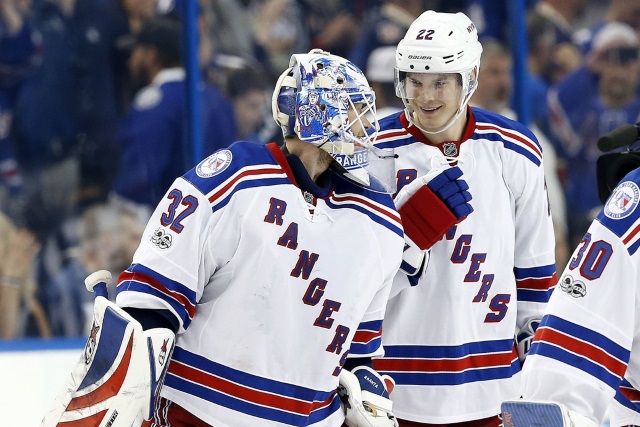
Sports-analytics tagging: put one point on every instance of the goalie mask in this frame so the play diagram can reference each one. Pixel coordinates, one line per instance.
(326, 100)
(439, 57)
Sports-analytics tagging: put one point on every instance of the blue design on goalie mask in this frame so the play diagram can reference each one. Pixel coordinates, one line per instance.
(312, 100)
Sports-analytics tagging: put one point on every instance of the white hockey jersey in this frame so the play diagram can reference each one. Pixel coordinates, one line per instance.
(449, 338)
(587, 345)
(270, 291)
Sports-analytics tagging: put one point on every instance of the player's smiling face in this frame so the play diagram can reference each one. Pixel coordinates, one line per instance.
(434, 98)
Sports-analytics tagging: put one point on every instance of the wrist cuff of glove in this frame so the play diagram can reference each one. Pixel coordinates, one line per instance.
(426, 218)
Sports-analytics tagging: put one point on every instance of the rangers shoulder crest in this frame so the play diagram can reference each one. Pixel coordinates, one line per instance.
(214, 164)
(623, 201)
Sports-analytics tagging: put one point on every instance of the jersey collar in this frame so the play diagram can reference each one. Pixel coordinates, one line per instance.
(417, 133)
(298, 175)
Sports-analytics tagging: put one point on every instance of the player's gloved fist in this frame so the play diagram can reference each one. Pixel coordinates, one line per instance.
(524, 338)
(365, 398)
(432, 204)
(548, 414)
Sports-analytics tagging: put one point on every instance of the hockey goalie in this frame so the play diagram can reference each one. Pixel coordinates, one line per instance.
(118, 373)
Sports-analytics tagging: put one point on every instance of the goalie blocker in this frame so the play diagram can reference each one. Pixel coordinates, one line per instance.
(522, 413)
(120, 372)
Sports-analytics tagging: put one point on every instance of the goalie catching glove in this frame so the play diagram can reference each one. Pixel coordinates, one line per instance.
(365, 398)
(432, 204)
(522, 413)
(120, 372)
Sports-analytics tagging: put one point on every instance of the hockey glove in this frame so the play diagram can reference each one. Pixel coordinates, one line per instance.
(432, 204)
(365, 398)
(516, 413)
(119, 374)
(525, 337)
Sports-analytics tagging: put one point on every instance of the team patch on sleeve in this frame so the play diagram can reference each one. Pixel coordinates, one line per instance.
(214, 164)
(620, 215)
(623, 201)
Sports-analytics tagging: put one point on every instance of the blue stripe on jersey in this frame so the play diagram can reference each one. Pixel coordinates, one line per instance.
(495, 137)
(534, 272)
(586, 365)
(244, 407)
(580, 360)
(367, 339)
(251, 384)
(449, 352)
(529, 277)
(454, 378)
(138, 278)
(486, 117)
(587, 335)
(628, 396)
(243, 185)
(374, 217)
(450, 365)
(621, 399)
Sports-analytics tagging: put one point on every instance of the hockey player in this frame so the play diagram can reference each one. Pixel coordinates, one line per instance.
(585, 355)
(273, 266)
(450, 325)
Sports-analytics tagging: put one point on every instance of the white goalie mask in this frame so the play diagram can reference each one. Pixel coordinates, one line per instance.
(440, 44)
(312, 100)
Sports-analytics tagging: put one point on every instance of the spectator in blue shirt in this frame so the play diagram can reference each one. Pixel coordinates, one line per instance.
(153, 135)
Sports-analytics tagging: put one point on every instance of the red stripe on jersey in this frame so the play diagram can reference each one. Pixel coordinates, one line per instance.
(391, 134)
(473, 361)
(277, 154)
(630, 393)
(109, 388)
(241, 176)
(537, 284)
(222, 385)
(532, 146)
(388, 214)
(91, 421)
(148, 280)
(363, 337)
(631, 235)
(585, 349)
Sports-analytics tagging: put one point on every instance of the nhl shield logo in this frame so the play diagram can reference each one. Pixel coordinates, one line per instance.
(214, 164)
(449, 149)
(623, 201)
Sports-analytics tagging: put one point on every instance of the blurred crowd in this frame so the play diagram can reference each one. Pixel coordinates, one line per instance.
(93, 109)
